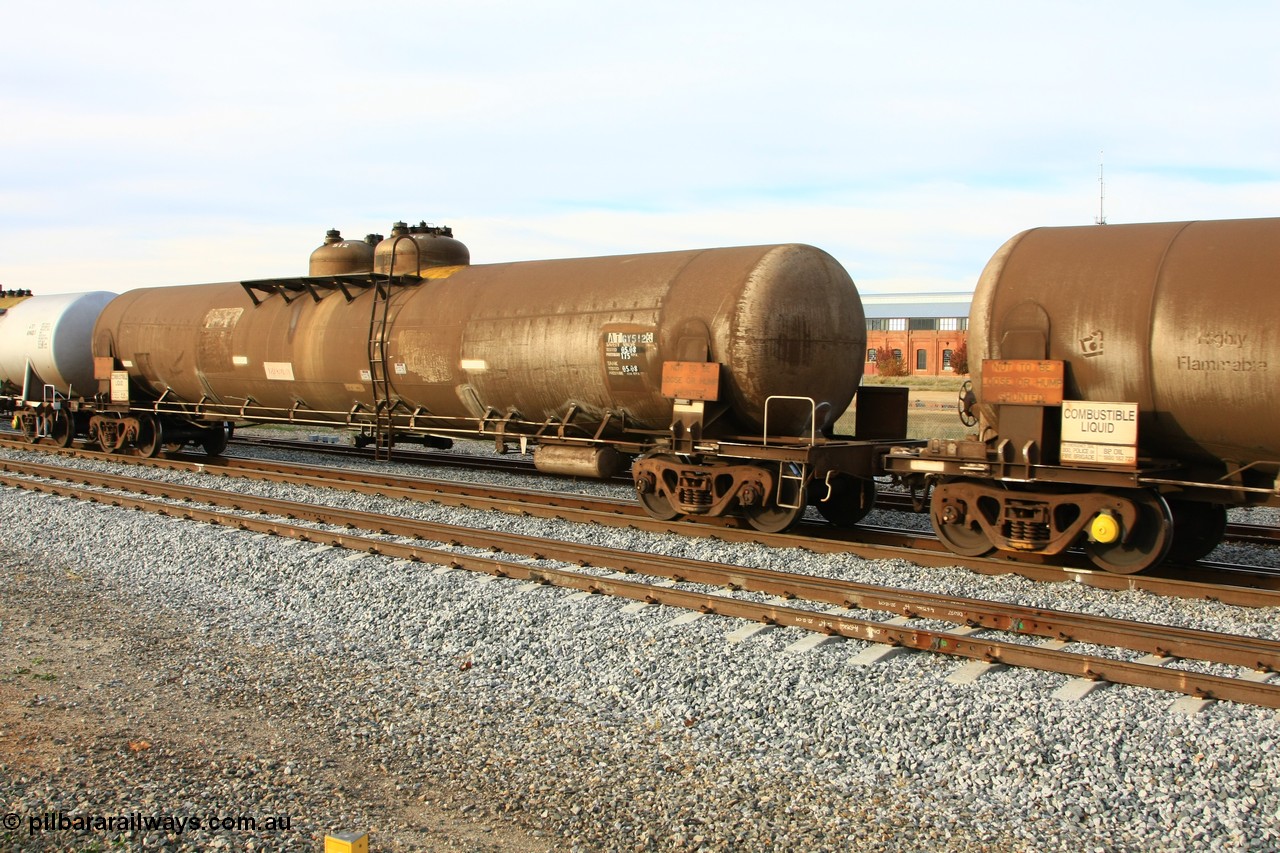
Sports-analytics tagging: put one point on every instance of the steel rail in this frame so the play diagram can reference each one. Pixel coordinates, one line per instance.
(1163, 640)
(891, 501)
(946, 642)
(1251, 589)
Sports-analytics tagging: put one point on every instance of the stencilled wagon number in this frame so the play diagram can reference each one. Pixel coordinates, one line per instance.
(625, 352)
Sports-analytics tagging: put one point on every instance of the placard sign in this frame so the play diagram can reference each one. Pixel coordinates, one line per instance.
(119, 386)
(1099, 433)
(691, 380)
(281, 371)
(1022, 382)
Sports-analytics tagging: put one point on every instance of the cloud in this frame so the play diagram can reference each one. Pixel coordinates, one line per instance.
(175, 144)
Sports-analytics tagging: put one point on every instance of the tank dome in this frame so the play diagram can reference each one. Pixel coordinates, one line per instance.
(418, 247)
(339, 257)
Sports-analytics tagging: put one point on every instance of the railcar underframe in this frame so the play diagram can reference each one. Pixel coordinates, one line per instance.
(768, 479)
(1005, 489)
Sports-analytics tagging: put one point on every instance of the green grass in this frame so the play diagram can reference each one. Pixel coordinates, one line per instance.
(931, 406)
(921, 383)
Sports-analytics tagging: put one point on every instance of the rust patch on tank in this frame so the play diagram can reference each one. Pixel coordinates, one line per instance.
(419, 352)
(222, 318)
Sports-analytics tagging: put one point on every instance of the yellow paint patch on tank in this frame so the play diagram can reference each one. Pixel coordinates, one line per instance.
(434, 273)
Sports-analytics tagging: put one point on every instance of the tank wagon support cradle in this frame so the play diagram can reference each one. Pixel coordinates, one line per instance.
(118, 421)
(769, 479)
(50, 419)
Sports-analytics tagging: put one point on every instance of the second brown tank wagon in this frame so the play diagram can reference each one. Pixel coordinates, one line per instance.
(1127, 393)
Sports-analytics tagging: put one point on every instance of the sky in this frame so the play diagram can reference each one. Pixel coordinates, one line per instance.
(151, 144)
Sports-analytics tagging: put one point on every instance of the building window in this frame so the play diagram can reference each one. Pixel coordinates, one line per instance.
(946, 359)
(924, 324)
(871, 355)
(922, 359)
(897, 354)
(896, 324)
(949, 324)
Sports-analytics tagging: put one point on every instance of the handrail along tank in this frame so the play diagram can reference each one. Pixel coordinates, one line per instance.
(1178, 317)
(584, 338)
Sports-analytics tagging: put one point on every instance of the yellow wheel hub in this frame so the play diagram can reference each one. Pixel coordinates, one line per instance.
(1104, 528)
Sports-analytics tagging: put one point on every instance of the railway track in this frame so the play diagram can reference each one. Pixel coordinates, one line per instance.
(1247, 586)
(892, 501)
(918, 613)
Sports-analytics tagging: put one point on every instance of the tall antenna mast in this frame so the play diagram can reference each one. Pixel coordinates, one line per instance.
(1102, 195)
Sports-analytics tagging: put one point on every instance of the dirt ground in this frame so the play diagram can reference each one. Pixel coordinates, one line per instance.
(98, 715)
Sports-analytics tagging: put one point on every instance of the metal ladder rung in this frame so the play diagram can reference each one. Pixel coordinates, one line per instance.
(799, 479)
(378, 373)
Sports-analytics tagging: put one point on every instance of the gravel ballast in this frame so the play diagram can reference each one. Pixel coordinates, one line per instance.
(156, 666)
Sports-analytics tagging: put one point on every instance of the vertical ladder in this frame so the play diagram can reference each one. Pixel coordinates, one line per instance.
(383, 436)
(378, 369)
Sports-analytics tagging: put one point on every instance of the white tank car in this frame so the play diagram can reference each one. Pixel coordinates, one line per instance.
(52, 334)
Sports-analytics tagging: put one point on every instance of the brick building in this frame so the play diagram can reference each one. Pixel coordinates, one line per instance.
(922, 329)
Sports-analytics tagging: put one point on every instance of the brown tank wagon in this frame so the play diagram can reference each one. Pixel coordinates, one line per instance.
(581, 358)
(579, 343)
(1178, 317)
(1128, 393)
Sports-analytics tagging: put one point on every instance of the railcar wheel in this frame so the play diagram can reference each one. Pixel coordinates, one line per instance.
(850, 501)
(964, 405)
(657, 506)
(61, 429)
(772, 518)
(1198, 528)
(655, 502)
(967, 539)
(776, 516)
(92, 440)
(1146, 545)
(214, 440)
(150, 436)
(956, 524)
